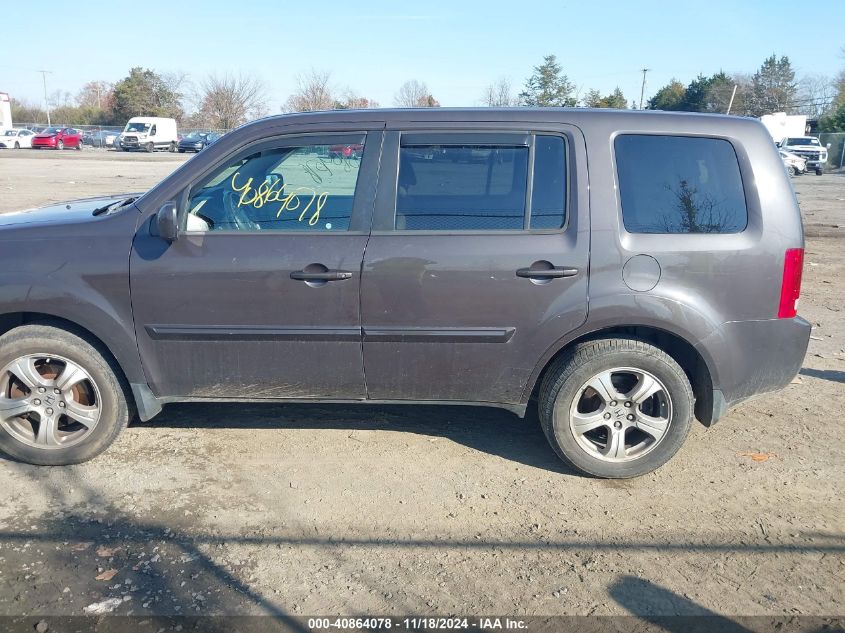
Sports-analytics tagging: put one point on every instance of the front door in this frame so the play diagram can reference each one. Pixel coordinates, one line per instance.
(259, 295)
(478, 260)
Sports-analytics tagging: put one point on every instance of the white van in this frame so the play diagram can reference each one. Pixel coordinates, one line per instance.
(148, 133)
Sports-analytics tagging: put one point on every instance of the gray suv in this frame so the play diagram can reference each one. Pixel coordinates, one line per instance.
(626, 271)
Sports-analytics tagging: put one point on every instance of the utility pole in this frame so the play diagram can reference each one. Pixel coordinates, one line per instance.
(44, 74)
(642, 89)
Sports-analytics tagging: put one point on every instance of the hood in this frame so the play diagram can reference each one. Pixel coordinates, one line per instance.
(62, 213)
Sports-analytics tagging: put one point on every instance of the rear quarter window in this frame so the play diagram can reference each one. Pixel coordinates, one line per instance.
(679, 184)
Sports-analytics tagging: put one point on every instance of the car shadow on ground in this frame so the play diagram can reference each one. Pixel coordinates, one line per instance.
(486, 429)
(834, 375)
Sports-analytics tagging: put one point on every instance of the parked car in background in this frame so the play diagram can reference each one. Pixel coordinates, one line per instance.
(552, 264)
(100, 138)
(149, 134)
(58, 138)
(197, 141)
(794, 164)
(352, 150)
(16, 138)
(807, 147)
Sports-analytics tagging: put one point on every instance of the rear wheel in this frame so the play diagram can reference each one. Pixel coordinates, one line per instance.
(61, 400)
(79, 145)
(60, 145)
(17, 145)
(616, 408)
(173, 146)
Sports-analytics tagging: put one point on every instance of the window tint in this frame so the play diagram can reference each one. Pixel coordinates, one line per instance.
(459, 188)
(548, 195)
(306, 188)
(678, 184)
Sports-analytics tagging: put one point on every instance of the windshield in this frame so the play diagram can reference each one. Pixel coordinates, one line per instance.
(194, 136)
(11, 133)
(137, 127)
(52, 130)
(809, 140)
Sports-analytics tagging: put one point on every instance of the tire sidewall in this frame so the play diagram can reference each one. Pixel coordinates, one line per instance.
(114, 413)
(680, 394)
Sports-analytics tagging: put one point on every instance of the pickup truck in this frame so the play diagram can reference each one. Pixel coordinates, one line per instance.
(808, 148)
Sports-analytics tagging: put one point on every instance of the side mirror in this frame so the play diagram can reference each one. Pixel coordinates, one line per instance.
(167, 222)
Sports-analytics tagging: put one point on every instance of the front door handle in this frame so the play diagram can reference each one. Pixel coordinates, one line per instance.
(548, 273)
(328, 275)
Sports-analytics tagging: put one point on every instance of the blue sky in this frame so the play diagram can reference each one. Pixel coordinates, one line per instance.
(455, 47)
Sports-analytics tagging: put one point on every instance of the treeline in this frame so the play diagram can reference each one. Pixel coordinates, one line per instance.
(226, 101)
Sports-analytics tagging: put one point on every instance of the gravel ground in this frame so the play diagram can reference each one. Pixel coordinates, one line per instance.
(388, 510)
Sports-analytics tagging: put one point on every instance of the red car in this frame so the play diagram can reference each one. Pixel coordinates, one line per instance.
(58, 138)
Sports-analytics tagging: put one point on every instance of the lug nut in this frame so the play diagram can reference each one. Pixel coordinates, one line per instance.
(630, 416)
(62, 404)
(617, 424)
(606, 416)
(36, 402)
(628, 403)
(613, 403)
(41, 390)
(57, 391)
(49, 412)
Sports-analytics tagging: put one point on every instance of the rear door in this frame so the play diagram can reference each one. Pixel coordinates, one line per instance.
(259, 297)
(478, 260)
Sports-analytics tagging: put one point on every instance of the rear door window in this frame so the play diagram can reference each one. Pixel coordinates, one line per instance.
(481, 187)
(679, 184)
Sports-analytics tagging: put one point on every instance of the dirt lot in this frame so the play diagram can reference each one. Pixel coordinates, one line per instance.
(335, 509)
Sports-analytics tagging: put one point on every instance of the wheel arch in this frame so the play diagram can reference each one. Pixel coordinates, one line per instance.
(695, 366)
(12, 320)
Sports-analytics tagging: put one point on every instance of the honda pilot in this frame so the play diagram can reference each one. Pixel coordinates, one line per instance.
(622, 272)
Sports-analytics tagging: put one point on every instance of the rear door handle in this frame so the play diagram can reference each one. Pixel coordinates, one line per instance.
(328, 275)
(549, 273)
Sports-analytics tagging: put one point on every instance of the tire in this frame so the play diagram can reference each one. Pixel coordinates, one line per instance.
(566, 378)
(172, 146)
(150, 147)
(104, 380)
(819, 172)
(60, 145)
(181, 151)
(791, 170)
(79, 146)
(17, 145)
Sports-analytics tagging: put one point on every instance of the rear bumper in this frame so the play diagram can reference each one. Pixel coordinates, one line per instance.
(755, 357)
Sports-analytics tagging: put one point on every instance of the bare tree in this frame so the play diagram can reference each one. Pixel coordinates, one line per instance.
(313, 92)
(352, 101)
(499, 94)
(230, 100)
(95, 94)
(816, 94)
(414, 94)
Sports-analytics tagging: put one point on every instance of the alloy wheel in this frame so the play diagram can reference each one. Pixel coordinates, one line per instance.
(47, 401)
(620, 414)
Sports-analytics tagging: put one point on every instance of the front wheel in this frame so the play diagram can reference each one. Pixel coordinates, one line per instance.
(150, 147)
(17, 145)
(62, 401)
(791, 170)
(616, 408)
(60, 145)
(819, 172)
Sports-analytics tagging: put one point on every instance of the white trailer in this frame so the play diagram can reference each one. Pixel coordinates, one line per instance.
(5, 112)
(782, 125)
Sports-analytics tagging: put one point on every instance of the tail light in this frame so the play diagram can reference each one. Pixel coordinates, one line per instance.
(790, 290)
